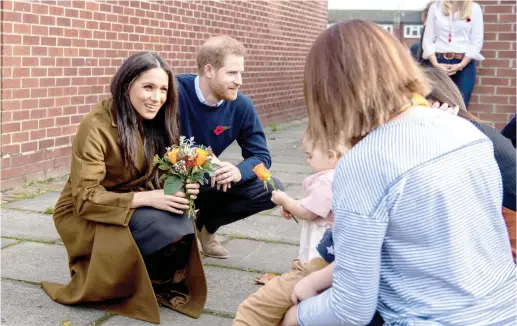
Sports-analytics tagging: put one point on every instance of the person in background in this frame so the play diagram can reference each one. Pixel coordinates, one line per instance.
(453, 39)
(216, 113)
(416, 49)
(443, 90)
(509, 131)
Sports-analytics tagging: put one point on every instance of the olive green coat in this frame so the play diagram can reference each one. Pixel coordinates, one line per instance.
(92, 217)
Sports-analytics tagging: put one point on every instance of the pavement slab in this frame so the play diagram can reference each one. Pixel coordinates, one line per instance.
(27, 304)
(37, 203)
(262, 226)
(227, 288)
(257, 255)
(28, 225)
(36, 262)
(6, 242)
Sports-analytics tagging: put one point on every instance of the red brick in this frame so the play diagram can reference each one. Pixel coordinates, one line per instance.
(29, 125)
(10, 127)
(10, 150)
(495, 63)
(46, 143)
(494, 81)
(506, 73)
(19, 137)
(506, 91)
(498, 9)
(28, 147)
(506, 36)
(38, 134)
(505, 108)
(46, 123)
(493, 99)
(488, 45)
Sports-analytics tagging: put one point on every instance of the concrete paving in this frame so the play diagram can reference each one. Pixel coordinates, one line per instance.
(32, 252)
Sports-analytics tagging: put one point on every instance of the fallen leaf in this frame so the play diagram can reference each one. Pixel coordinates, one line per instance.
(66, 323)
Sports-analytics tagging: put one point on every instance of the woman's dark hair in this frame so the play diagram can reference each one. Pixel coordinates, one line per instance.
(158, 133)
(444, 90)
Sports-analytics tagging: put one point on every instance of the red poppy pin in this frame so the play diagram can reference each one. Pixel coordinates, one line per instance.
(468, 19)
(220, 129)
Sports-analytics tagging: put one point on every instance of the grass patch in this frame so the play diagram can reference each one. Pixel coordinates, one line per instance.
(29, 240)
(244, 237)
(242, 269)
(23, 281)
(274, 127)
(207, 311)
(49, 210)
(26, 195)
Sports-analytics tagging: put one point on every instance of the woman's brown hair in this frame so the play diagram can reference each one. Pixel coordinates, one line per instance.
(357, 76)
(444, 90)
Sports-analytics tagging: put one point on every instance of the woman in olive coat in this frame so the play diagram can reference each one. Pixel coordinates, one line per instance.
(129, 245)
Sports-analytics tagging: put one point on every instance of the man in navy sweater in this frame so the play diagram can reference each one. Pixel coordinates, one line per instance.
(212, 110)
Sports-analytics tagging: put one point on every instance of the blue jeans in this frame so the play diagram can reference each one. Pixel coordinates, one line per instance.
(464, 79)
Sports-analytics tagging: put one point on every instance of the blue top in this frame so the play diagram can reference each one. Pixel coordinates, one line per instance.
(199, 120)
(419, 234)
(504, 154)
(326, 246)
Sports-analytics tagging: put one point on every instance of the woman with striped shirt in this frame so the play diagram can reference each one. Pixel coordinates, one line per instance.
(418, 234)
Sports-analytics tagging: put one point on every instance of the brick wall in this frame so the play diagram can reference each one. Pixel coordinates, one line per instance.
(58, 58)
(494, 96)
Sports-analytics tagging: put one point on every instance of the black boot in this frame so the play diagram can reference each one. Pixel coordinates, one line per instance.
(166, 268)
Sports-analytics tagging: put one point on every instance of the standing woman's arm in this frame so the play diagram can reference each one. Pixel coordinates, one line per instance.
(429, 37)
(476, 37)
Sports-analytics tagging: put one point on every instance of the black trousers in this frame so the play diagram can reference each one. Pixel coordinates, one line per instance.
(218, 208)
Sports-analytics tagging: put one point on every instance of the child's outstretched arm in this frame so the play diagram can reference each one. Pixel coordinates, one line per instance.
(291, 205)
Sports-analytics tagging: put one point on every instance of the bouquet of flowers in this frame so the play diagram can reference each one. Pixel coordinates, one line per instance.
(183, 162)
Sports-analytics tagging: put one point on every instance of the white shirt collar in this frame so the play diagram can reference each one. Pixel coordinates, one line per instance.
(201, 97)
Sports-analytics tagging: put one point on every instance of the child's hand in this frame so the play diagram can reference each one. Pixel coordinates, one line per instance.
(285, 213)
(278, 197)
(302, 290)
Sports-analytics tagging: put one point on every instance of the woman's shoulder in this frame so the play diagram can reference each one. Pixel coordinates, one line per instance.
(98, 119)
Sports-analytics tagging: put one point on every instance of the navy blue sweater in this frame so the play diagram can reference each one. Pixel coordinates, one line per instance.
(200, 120)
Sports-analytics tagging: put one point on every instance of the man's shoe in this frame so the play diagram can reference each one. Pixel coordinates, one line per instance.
(210, 246)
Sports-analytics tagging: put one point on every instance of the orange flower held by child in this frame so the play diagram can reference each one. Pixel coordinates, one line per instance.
(201, 156)
(173, 155)
(262, 173)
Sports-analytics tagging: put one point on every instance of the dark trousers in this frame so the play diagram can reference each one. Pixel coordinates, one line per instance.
(464, 79)
(218, 208)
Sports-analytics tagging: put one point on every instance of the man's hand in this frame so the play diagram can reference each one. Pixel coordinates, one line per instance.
(224, 175)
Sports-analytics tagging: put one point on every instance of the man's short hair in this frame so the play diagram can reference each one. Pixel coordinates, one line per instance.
(215, 50)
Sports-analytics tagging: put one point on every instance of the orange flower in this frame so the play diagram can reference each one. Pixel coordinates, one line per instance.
(173, 155)
(201, 156)
(262, 173)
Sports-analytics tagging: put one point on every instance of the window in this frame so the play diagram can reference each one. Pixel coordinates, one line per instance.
(413, 31)
(387, 27)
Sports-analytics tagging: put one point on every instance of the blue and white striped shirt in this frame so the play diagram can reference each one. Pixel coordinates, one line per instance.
(418, 234)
